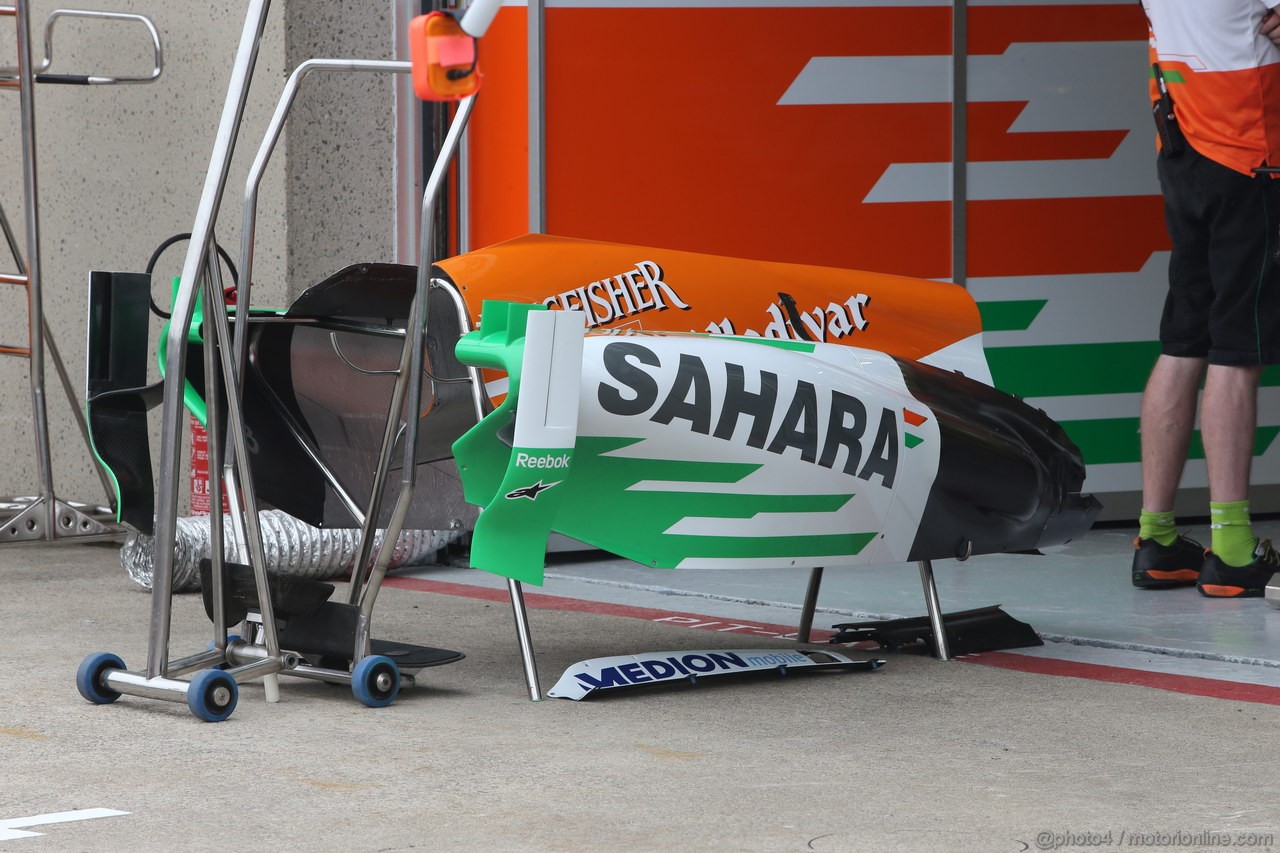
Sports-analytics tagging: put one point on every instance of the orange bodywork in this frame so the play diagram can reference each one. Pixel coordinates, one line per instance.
(622, 286)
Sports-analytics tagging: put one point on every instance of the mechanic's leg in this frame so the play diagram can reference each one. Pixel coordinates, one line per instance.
(1228, 419)
(1168, 417)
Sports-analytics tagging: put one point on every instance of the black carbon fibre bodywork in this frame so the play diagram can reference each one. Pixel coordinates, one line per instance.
(1008, 477)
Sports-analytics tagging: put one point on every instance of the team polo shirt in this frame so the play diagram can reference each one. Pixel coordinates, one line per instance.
(1223, 74)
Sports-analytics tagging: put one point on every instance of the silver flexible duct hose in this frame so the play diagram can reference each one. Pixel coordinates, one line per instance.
(291, 547)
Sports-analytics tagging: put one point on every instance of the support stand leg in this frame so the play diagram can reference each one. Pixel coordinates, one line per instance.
(526, 641)
(935, 611)
(810, 605)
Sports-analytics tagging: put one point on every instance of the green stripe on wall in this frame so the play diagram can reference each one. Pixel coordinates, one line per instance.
(1072, 369)
(1061, 370)
(1015, 315)
(1111, 440)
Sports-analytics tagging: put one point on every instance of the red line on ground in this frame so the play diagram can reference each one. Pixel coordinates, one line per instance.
(1188, 684)
(542, 601)
(1191, 684)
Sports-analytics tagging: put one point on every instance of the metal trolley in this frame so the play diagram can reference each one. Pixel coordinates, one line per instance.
(208, 680)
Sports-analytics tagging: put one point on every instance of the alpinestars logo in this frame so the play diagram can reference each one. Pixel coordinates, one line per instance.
(531, 492)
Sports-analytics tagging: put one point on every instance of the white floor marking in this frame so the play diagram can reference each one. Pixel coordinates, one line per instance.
(10, 828)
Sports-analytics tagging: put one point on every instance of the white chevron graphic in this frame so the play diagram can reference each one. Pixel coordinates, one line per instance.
(1074, 313)
(1067, 86)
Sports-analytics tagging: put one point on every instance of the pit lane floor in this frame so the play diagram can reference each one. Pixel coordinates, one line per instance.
(919, 755)
(1077, 597)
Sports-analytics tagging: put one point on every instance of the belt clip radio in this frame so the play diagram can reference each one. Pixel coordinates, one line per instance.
(1172, 143)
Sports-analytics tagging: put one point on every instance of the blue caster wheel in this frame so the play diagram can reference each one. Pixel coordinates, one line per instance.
(212, 695)
(376, 681)
(231, 638)
(89, 680)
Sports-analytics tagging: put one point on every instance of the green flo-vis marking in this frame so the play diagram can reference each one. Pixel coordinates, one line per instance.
(654, 511)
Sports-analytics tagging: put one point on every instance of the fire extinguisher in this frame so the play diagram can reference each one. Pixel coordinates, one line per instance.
(200, 492)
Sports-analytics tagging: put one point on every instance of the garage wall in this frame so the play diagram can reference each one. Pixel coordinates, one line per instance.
(121, 168)
(341, 141)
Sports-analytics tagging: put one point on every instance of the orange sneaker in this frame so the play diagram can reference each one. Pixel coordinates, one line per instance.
(1218, 580)
(1157, 566)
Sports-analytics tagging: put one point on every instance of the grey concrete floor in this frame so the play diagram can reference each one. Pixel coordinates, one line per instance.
(1078, 597)
(918, 755)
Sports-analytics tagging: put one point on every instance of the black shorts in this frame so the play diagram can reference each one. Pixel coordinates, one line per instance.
(1224, 273)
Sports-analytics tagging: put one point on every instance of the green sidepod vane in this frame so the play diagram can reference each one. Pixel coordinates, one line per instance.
(192, 397)
(515, 462)
(693, 451)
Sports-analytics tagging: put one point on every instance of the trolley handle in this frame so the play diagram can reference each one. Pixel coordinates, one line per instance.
(42, 74)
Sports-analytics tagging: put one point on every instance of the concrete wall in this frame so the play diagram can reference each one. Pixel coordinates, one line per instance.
(341, 140)
(121, 168)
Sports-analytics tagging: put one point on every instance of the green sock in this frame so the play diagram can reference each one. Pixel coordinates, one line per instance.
(1159, 526)
(1233, 539)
